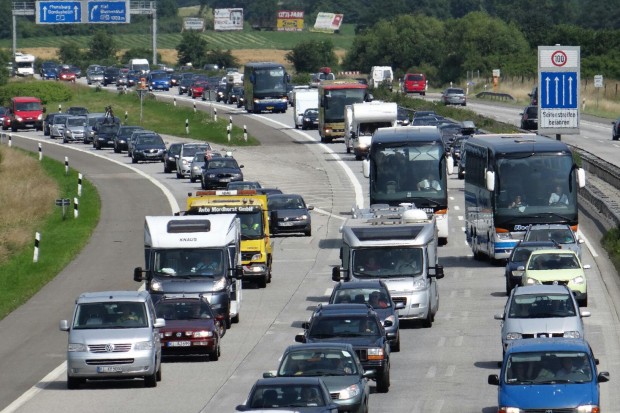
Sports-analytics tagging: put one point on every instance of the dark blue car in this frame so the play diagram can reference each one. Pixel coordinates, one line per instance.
(549, 375)
(158, 80)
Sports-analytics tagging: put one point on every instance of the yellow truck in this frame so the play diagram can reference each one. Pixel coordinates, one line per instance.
(251, 208)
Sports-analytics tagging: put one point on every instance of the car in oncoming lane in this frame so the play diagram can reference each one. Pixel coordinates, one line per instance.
(219, 171)
(338, 366)
(298, 394)
(289, 214)
(541, 311)
(192, 328)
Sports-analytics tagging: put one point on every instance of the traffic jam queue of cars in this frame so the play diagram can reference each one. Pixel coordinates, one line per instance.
(346, 344)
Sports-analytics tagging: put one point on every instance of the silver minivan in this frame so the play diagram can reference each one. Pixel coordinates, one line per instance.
(113, 335)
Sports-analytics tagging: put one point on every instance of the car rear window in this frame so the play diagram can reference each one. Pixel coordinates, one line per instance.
(415, 77)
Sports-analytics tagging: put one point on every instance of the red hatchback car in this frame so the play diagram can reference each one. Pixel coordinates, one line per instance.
(67, 75)
(197, 89)
(192, 328)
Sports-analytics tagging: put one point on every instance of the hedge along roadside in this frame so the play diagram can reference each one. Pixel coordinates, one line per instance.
(61, 240)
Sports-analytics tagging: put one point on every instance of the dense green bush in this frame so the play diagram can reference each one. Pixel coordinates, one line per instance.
(611, 243)
(47, 91)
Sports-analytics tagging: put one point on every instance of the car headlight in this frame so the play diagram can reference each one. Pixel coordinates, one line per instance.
(18, 118)
(219, 284)
(391, 318)
(532, 281)
(514, 336)
(196, 168)
(256, 257)
(211, 176)
(500, 235)
(144, 345)
(307, 119)
(185, 162)
(590, 408)
(572, 334)
(76, 347)
(202, 334)
(579, 280)
(419, 284)
(40, 117)
(349, 393)
(303, 218)
(156, 286)
(503, 409)
(517, 273)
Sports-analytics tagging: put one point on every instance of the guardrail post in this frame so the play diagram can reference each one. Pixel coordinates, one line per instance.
(186, 126)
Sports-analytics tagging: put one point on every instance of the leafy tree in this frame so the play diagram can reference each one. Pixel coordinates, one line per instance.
(138, 52)
(166, 8)
(192, 49)
(70, 53)
(102, 46)
(222, 58)
(4, 72)
(309, 56)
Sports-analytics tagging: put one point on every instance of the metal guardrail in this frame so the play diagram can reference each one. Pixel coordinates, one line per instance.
(494, 95)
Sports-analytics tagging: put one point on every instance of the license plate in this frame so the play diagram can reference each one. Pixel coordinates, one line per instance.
(109, 369)
(269, 107)
(286, 224)
(110, 142)
(179, 344)
(225, 180)
(151, 154)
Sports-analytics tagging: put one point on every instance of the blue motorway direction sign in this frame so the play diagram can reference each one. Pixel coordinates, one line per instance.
(58, 12)
(558, 90)
(108, 12)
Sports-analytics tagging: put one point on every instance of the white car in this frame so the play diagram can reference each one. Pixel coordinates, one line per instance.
(186, 156)
(541, 311)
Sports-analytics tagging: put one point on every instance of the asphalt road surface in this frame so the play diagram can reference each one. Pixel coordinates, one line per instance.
(441, 369)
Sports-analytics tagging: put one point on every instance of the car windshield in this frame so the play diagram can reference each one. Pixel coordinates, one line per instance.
(190, 151)
(318, 362)
(108, 315)
(26, 106)
(127, 132)
(76, 122)
(542, 306)
(344, 326)
(186, 263)
(149, 140)
(183, 310)
(390, 262)
(59, 120)
(548, 367)
(92, 121)
(285, 202)
(286, 395)
(222, 163)
(522, 254)
(376, 297)
(553, 262)
(559, 235)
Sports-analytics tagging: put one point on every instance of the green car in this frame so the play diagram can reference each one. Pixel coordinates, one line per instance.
(557, 266)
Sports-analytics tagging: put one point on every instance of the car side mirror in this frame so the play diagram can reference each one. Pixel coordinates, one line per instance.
(521, 268)
(498, 316)
(305, 325)
(64, 325)
(159, 323)
(438, 271)
(336, 274)
(369, 374)
(388, 323)
(241, 408)
(138, 274)
(493, 380)
(300, 338)
(584, 313)
(603, 377)
(269, 374)
(586, 266)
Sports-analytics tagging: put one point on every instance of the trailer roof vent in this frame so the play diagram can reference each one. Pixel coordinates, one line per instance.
(193, 225)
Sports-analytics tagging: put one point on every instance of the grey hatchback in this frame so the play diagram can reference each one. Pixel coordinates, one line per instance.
(454, 96)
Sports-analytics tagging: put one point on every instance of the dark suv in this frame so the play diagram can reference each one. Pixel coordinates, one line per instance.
(529, 118)
(358, 325)
(110, 75)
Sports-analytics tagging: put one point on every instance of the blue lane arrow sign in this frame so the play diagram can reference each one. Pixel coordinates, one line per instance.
(559, 90)
(58, 12)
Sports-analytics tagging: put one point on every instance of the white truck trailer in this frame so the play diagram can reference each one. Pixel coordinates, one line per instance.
(365, 119)
(304, 99)
(397, 245)
(195, 255)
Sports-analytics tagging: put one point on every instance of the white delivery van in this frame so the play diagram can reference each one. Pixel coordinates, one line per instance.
(380, 75)
(304, 99)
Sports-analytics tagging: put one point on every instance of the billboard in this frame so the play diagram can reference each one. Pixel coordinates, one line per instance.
(290, 21)
(228, 19)
(328, 22)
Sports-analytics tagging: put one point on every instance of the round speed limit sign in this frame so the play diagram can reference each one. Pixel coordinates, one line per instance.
(558, 58)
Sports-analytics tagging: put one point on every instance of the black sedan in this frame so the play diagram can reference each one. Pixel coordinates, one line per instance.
(185, 82)
(192, 328)
(105, 133)
(518, 258)
(170, 158)
(289, 214)
(310, 119)
(148, 147)
(219, 171)
(299, 394)
(122, 137)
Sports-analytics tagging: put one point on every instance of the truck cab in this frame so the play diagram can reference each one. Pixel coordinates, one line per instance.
(397, 245)
(197, 255)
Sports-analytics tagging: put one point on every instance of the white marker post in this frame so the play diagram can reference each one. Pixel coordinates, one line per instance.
(66, 165)
(245, 133)
(40, 152)
(37, 240)
(79, 185)
(10, 140)
(75, 208)
(187, 126)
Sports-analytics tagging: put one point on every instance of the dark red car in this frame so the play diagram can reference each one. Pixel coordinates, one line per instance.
(67, 75)
(192, 328)
(197, 89)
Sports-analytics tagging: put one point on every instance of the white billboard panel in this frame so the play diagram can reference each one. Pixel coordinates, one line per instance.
(228, 19)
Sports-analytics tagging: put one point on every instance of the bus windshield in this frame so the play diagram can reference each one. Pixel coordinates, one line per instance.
(269, 81)
(336, 99)
(555, 195)
(409, 173)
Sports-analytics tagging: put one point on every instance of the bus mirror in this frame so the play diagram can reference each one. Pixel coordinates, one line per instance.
(366, 168)
(369, 97)
(490, 181)
(581, 177)
(336, 274)
(450, 162)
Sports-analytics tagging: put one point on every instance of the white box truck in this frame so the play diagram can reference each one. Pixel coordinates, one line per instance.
(397, 245)
(141, 65)
(195, 255)
(381, 75)
(304, 99)
(365, 119)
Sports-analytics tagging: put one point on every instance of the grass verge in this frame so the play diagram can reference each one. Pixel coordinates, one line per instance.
(61, 240)
(161, 117)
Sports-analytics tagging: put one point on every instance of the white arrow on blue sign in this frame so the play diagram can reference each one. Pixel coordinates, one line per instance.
(58, 12)
(559, 90)
(108, 12)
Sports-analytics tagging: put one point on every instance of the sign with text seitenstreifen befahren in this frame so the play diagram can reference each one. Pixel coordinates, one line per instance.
(558, 89)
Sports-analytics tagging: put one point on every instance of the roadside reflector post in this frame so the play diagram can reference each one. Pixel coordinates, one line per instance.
(215, 114)
(37, 239)
(75, 208)
(40, 151)
(10, 140)
(66, 165)
(187, 126)
(79, 185)
(194, 107)
(245, 133)
(126, 116)
(59, 108)
(174, 102)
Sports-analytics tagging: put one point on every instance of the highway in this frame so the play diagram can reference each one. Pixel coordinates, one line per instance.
(441, 369)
